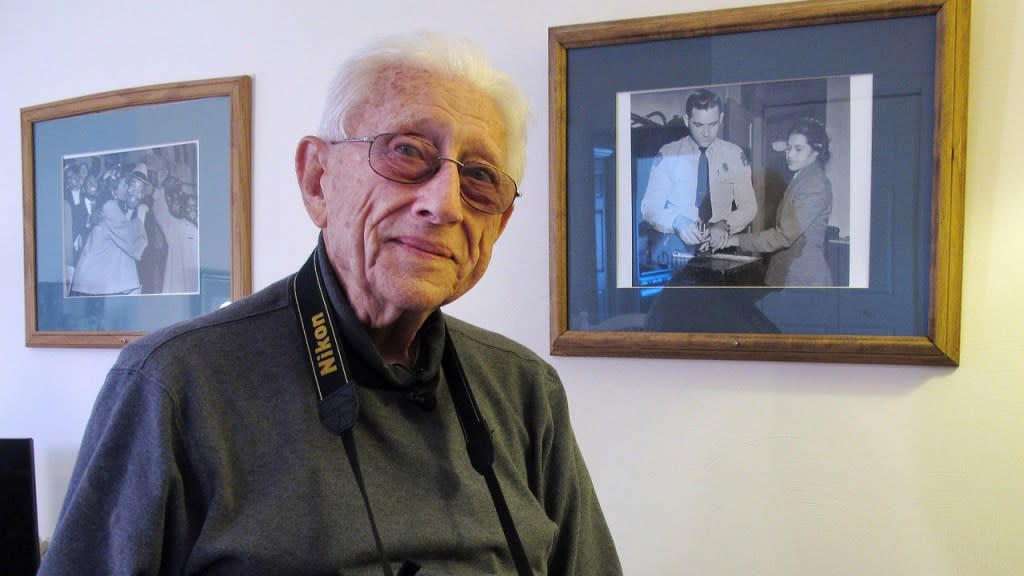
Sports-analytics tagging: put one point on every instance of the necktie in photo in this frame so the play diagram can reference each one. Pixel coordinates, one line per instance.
(703, 198)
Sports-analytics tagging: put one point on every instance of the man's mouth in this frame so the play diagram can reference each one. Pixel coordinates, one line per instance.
(427, 247)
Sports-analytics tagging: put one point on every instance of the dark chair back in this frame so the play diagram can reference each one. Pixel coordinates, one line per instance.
(19, 529)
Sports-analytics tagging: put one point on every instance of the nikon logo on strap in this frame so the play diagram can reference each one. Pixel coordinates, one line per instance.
(326, 359)
(323, 344)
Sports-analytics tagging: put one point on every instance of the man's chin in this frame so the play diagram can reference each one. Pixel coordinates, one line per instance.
(418, 295)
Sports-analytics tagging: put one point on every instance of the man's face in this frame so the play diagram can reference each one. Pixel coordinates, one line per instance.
(410, 248)
(90, 187)
(191, 208)
(120, 192)
(133, 197)
(72, 179)
(135, 186)
(704, 125)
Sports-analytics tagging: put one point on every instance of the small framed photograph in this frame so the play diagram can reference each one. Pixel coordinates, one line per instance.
(768, 183)
(137, 210)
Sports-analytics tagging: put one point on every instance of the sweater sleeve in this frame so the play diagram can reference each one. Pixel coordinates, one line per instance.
(583, 545)
(125, 498)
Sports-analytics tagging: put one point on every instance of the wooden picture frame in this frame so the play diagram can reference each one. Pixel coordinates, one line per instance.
(89, 164)
(907, 311)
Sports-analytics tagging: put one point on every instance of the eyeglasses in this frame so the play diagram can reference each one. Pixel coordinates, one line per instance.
(408, 159)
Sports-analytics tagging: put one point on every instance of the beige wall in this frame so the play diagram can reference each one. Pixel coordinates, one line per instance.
(704, 467)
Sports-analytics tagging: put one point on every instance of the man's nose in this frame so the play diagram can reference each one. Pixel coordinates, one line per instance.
(440, 198)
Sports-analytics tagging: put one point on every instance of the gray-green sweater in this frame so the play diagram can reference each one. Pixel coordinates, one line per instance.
(205, 455)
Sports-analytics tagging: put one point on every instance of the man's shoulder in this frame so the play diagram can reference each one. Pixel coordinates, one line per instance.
(241, 324)
(498, 367)
(729, 154)
(812, 177)
(726, 147)
(679, 147)
(492, 343)
(111, 210)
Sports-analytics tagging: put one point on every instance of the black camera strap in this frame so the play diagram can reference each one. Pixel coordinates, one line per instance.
(338, 406)
(480, 447)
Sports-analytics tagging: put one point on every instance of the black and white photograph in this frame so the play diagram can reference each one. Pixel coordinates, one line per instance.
(130, 221)
(747, 185)
(117, 186)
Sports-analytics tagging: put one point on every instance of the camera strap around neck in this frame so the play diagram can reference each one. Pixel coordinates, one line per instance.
(480, 447)
(338, 405)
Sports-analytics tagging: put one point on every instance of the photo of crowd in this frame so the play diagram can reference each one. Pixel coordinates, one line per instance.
(131, 222)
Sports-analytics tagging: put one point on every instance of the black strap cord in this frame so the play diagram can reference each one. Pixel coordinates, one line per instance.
(353, 460)
(481, 450)
(338, 404)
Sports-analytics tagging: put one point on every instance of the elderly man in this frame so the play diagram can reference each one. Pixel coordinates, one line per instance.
(214, 446)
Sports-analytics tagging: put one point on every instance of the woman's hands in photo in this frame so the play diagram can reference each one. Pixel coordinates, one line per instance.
(718, 235)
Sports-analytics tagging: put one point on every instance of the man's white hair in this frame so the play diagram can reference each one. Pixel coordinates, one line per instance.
(353, 85)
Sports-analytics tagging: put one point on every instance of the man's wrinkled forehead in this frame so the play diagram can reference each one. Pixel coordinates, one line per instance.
(398, 89)
(390, 84)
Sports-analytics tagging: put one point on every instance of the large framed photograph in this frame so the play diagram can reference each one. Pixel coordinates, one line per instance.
(137, 210)
(779, 182)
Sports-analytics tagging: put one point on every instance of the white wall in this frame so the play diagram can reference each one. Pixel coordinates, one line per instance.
(704, 467)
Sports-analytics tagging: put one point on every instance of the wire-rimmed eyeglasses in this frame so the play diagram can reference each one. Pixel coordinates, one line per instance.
(409, 159)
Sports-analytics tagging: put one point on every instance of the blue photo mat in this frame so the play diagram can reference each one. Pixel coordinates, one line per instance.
(898, 52)
(206, 121)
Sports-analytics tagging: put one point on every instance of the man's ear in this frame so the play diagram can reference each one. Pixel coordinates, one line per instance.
(309, 170)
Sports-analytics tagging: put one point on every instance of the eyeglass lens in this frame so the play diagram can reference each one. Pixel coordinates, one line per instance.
(408, 159)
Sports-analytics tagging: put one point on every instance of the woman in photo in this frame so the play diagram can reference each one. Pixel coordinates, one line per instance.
(797, 241)
(108, 263)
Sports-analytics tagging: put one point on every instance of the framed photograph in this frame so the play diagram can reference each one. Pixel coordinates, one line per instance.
(781, 182)
(137, 210)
